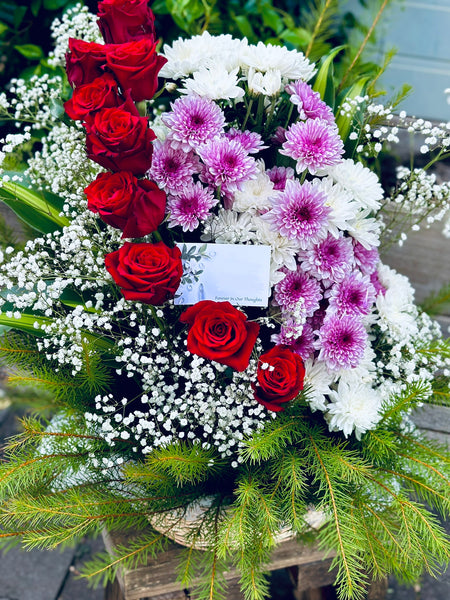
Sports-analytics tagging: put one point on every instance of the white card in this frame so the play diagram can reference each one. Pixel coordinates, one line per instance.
(236, 273)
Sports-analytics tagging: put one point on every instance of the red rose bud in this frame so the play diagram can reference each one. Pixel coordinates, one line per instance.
(84, 61)
(136, 66)
(124, 20)
(280, 377)
(120, 141)
(220, 332)
(148, 273)
(91, 97)
(136, 206)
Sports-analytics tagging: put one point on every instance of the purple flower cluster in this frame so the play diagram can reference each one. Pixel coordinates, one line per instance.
(199, 160)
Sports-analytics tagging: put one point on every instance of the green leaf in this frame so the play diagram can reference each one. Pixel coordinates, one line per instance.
(245, 27)
(3, 28)
(159, 7)
(324, 79)
(344, 121)
(25, 323)
(35, 7)
(30, 51)
(298, 37)
(54, 4)
(38, 209)
(271, 18)
(19, 14)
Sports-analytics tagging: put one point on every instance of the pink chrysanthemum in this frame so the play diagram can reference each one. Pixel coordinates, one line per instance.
(308, 102)
(314, 144)
(190, 207)
(251, 141)
(193, 121)
(298, 286)
(226, 164)
(342, 341)
(279, 175)
(299, 213)
(172, 169)
(366, 259)
(330, 259)
(302, 344)
(354, 295)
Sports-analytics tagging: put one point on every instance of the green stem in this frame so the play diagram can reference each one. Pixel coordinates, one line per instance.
(260, 111)
(247, 114)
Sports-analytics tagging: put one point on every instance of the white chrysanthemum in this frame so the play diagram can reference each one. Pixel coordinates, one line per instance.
(268, 84)
(214, 82)
(290, 63)
(400, 284)
(318, 379)
(354, 406)
(365, 372)
(396, 307)
(365, 229)
(186, 56)
(363, 184)
(343, 208)
(255, 194)
(283, 252)
(229, 227)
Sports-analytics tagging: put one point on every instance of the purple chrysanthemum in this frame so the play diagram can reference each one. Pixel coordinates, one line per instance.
(366, 259)
(302, 344)
(279, 137)
(279, 175)
(251, 141)
(342, 341)
(330, 259)
(314, 144)
(298, 286)
(354, 295)
(172, 169)
(308, 102)
(226, 164)
(299, 213)
(190, 207)
(193, 121)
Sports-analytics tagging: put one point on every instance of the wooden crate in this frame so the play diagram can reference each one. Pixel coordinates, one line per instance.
(307, 568)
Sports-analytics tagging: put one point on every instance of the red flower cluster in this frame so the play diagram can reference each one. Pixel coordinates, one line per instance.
(108, 79)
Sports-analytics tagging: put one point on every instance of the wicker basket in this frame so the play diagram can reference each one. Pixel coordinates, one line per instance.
(178, 524)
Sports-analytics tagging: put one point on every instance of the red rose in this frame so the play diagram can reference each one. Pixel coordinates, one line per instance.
(220, 332)
(84, 62)
(120, 141)
(136, 206)
(90, 97)
(136, 66)
(149, 273)
(280, 377)
(123, 20)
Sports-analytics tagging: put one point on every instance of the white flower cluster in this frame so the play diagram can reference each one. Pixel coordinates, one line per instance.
(210, 66)
(76, 22)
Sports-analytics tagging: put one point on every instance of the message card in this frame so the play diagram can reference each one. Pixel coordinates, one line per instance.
(235, 273)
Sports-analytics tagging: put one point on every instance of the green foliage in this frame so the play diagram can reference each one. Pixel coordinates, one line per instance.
(32, 369)
(22, 46)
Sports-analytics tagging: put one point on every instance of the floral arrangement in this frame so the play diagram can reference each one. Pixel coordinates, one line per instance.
(268, 385)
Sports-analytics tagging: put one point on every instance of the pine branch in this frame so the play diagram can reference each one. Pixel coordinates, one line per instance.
(319, 18)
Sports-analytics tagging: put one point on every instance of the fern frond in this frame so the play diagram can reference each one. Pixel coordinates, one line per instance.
(320, 18)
